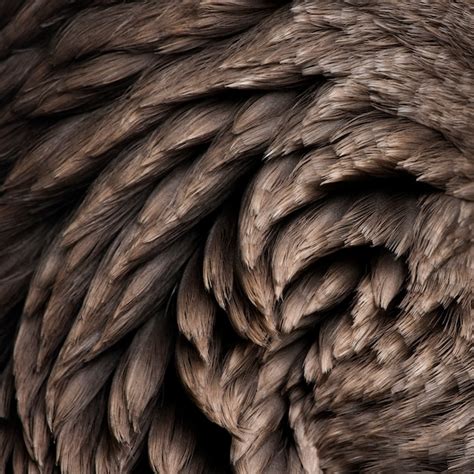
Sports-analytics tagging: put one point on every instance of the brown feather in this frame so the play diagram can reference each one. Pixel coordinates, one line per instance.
(236, 236)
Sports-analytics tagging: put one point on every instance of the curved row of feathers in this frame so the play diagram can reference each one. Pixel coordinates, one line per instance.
(236, 235)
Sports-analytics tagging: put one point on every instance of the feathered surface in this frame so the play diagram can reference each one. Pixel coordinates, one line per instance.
(236, 236)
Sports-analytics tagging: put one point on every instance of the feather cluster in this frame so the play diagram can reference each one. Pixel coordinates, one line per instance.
(236, 236)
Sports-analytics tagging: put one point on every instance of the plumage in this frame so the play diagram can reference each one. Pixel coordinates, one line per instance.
(236, 236)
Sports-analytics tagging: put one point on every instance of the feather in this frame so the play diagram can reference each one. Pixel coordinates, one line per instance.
(77, 439)
(318, 291)
(218, 264)
(236, 235)
(209, 180)
(138, 379)
(170, 434)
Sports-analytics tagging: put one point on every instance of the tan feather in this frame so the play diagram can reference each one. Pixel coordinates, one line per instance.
(210, 179)
(77, 439)
(170, 434)
(236, 234)
(29, 388)
(318, 291)
(65, 90)
(218, 262)
(67, 397)
(297, 246)
(145, 162)
(138, 379)
(387, 278)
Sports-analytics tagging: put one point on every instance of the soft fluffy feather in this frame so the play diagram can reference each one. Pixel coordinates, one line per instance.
(236, 235)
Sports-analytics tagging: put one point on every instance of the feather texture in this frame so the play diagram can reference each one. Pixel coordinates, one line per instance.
(236, 236)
